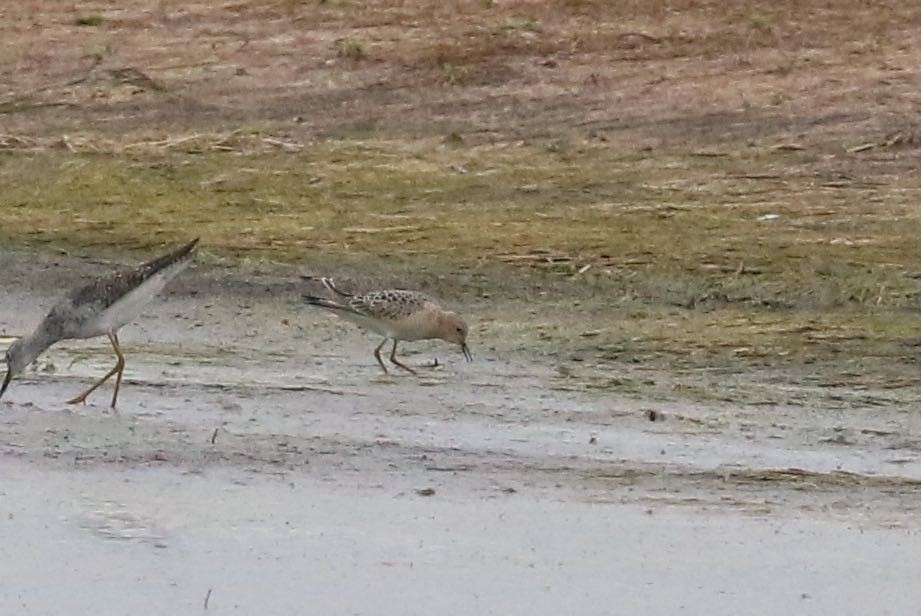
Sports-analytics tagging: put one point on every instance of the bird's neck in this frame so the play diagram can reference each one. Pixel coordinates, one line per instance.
(35, 345)
(437, 328)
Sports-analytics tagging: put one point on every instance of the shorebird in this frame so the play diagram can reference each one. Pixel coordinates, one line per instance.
(96, 309)
(397, 315)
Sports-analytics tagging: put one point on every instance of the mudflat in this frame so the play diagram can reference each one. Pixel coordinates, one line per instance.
(259, 455)
(684, 236)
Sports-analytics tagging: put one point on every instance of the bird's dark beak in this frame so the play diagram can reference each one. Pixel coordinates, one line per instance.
(6, 381)
(466, 352)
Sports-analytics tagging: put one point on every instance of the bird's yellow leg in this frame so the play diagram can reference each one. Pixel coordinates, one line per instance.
(119, 367)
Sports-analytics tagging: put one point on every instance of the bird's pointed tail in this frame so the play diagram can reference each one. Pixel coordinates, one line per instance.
(172, 258)
(328, 283)
(323, 302)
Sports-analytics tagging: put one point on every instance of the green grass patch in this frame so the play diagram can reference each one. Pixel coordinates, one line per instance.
(666, 227)
(89, 20)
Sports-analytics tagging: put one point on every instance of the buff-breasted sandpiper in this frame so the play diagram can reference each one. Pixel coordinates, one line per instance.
(396, 314)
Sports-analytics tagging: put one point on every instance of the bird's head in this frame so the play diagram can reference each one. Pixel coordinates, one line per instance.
(452, 328)
(16, 360)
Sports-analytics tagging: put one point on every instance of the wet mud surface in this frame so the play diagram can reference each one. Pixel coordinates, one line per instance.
(257, 445)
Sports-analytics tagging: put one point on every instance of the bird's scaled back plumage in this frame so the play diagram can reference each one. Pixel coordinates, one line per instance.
(391, 304)
(395, 313)
(107, 289)
(112, 300)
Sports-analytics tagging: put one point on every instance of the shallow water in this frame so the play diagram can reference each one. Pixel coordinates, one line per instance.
(154, 541)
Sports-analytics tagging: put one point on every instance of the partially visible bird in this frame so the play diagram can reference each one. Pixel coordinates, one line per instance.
(397, 315)
(98, 308)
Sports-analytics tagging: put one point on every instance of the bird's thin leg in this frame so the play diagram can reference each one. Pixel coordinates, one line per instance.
(393, 358)
(120, 365)
(377, 355)
(118, 368)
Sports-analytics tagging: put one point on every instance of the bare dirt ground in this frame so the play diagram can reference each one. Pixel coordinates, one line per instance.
(692, 212)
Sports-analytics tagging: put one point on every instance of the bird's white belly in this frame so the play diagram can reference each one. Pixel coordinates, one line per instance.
(128, 308)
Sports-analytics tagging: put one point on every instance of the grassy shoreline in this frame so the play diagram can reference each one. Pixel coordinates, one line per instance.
(600, 255)
(667, 227)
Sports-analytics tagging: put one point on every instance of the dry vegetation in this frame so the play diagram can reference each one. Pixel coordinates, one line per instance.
(716, 185)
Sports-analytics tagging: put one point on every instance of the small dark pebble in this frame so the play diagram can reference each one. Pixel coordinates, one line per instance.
(426, 492)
